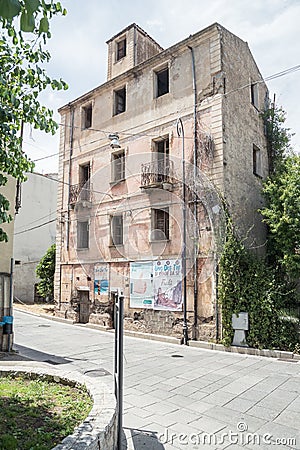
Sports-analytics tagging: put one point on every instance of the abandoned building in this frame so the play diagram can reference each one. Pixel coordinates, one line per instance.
(145, 161)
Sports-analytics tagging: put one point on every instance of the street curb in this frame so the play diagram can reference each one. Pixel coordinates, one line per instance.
(279, 354)
(99, 429)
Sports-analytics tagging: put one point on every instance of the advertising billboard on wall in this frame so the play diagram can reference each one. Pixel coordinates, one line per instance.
(101, 280)
(167, 284)
(141, 290)
(156, 285)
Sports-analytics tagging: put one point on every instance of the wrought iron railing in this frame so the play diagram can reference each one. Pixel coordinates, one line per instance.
(155, 173)
(80, 192)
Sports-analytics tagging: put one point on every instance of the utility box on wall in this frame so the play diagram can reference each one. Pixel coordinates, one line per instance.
(240, 324)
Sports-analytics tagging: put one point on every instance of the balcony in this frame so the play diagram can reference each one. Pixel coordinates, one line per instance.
(157, 174)
(80, 193)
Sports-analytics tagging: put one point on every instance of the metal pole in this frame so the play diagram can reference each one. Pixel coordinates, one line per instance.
(180, 132)
(120, 370)
(11, 291)
(116, 322)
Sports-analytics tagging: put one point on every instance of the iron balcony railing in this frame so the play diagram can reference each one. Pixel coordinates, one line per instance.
(80, 192)
(155, 173)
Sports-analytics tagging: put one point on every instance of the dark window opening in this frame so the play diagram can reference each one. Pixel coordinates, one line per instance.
(118, 166)
(84, 181)
(162, 80)
(121, 49)
(117, 230)
(87, 116)
(256, 161)
(162, 158)
(160, 226)
(17, 262)
(82, 234)
(254, 95)
(120, 101)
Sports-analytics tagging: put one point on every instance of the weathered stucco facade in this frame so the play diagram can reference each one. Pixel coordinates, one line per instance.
(33, 236)
(121, 207)
(6, 255)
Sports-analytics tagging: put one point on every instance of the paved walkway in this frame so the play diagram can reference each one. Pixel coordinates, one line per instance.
(178, 397)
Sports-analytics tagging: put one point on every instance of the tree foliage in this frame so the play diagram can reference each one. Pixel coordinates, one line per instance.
(282, 215)
(24, 33)
(265, 288)
(45, 271)
(282, 193)
(247, 283)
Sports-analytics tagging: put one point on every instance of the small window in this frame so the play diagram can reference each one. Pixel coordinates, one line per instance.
(162, 159)
(254, 94)
(118, 166)
(160, 224)
(84, 181)
(87, 115)
(121, 49)
(256, 161)
(117, 230)
(162, 82)
(83, 234)
(119, 101)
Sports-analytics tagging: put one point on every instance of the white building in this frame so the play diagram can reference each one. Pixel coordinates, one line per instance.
(34, 231)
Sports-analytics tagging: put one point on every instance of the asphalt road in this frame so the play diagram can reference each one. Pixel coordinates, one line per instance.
(178, 397)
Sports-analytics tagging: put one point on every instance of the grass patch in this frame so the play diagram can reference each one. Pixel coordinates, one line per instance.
(36, 414)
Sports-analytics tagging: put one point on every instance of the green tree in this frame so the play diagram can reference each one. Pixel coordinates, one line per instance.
(45, 271)
(24, 33)
(247, 283)
(282, 215)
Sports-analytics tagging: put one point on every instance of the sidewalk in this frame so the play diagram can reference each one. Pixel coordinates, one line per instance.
(179, 397)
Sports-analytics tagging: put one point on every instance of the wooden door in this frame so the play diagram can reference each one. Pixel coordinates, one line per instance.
(84, 307)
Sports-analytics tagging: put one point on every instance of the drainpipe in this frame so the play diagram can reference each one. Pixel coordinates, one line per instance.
(134, 47)
(70, 170)
(195, 162)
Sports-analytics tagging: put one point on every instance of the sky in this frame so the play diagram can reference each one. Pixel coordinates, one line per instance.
(79, 50)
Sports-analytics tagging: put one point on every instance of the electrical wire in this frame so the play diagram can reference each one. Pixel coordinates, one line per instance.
(126, 132)
(37, 226)
(40, 218)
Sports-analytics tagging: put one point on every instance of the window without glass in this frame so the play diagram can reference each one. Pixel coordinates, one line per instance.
(121, 49)
(87, 115)
(162, 159)
(119, 101)
(117, 230)
(256, 161)
(83, 234)
(84, 181)
(160, 224)
(118, 166)
(162, 82)
(254, 95)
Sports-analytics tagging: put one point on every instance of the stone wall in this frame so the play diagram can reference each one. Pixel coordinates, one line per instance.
(99, 429)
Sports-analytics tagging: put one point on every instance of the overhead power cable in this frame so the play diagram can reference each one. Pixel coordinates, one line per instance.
(285, 72)
(34, 228)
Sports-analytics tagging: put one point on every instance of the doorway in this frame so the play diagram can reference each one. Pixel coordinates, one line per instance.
(84, 307)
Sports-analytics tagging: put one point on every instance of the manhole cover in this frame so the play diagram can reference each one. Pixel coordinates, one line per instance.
(177, 356)
(44, 326)
(96, 373)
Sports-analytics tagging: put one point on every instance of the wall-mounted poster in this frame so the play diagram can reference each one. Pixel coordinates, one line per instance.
(167, 284)
(101, 280)
(141, 290)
